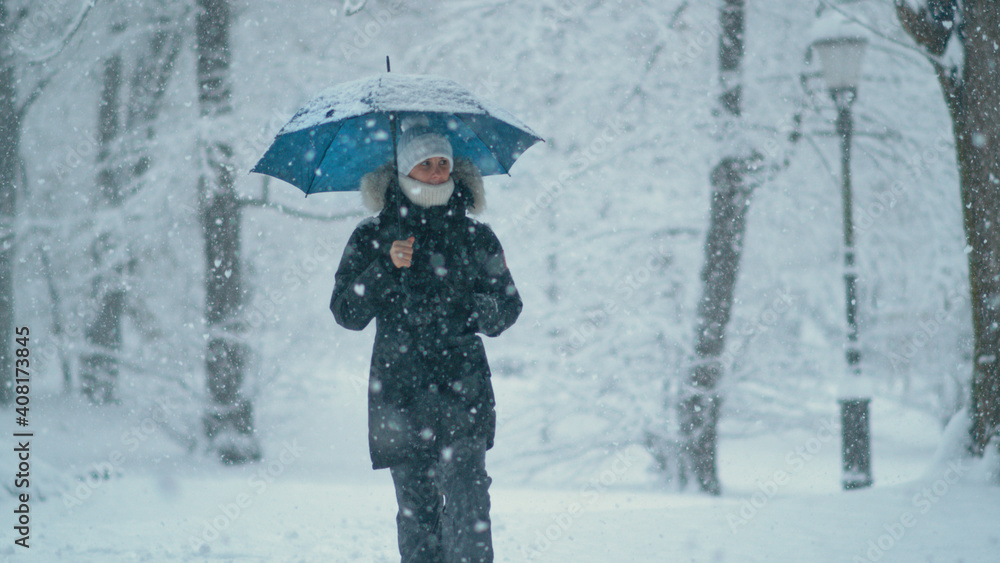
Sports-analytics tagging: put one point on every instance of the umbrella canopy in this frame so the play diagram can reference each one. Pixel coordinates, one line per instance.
(350, 130)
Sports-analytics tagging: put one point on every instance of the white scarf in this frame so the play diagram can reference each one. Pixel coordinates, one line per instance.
(426, 195)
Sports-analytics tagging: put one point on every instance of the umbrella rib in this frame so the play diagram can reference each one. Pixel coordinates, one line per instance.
(319, 165)
(476, 133)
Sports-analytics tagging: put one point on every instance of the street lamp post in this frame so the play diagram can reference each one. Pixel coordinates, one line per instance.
(841, 59)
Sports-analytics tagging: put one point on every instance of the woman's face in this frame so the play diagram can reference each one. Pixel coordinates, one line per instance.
(435, 170)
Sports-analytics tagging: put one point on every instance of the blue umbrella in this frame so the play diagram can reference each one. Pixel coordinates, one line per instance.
(350, 130)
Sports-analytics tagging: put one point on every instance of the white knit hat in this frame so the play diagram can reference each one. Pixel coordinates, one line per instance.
(418, 143)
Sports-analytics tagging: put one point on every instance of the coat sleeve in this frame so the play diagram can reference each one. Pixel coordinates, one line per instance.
(363, 281)
(495, 301)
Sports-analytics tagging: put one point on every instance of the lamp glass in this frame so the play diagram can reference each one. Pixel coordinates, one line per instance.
(841, 59)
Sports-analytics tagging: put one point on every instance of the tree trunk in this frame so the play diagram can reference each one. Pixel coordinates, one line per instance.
(99, 366)
(229, 420)
(10, 140)
(972, 94)
(731, 191)
(977, 135)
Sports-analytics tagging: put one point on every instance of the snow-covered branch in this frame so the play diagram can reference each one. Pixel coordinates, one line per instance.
(51, 52)
(48, 53)
(264, 204)
(934, 58)
(35, 93)
(352, 7)
(927, 31)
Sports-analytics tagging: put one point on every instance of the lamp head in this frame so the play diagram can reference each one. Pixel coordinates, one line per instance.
(841, 59)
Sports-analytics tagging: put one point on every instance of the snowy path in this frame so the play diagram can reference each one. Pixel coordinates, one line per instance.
(315, 500)
(247, 518)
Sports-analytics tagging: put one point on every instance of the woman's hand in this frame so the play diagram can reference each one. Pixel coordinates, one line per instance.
(401, 253)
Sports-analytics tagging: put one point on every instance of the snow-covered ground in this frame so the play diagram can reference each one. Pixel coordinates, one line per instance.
(313, 498)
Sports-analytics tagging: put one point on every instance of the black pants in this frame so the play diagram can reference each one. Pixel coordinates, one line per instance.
(444, 506)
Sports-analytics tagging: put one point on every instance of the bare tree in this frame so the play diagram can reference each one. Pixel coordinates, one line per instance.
(10, 137)
(959, 39)
(99, 366)
(123, 159)
(14, 105)
(229, 420)
(732, 187)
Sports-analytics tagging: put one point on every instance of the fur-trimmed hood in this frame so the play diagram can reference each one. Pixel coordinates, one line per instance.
(375, 183)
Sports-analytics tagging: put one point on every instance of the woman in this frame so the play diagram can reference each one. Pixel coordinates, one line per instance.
(431, 278)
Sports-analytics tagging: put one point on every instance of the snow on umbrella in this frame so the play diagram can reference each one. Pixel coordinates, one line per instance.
(350, 130)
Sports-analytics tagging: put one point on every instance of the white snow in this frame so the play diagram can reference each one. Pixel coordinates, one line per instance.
(393, 92)
(838, 22)
(313, 499)
(602, 227)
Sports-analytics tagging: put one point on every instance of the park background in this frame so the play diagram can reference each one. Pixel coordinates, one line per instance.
(604, 227)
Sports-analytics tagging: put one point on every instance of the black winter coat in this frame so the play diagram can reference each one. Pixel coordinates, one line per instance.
(429, 382)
